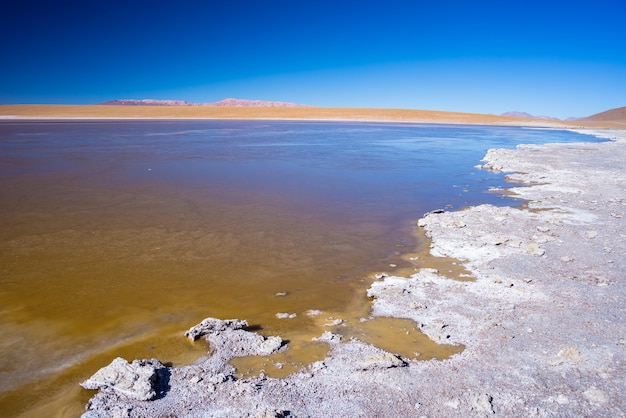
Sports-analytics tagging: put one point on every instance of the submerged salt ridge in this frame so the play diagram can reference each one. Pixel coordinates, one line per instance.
(120, 231)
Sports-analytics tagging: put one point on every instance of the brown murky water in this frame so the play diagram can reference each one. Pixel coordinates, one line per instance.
(95, 273)
(117, 237)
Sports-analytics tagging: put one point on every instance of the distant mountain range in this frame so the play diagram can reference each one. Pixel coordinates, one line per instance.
(147, 102)
(617, 114)
(225, 102)
(254, 103)
(517, 114)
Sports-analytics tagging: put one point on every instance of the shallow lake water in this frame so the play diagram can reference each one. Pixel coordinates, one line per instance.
(117, 236)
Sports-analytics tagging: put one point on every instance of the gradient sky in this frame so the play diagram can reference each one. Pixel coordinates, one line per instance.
(555, 58)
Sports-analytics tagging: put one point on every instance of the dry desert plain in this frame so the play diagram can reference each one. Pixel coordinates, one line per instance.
(306, 113)
(543, 323)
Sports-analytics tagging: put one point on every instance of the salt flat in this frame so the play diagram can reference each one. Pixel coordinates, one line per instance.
(542, 324)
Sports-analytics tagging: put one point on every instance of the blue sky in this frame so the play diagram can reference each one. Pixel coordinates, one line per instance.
(544, 57)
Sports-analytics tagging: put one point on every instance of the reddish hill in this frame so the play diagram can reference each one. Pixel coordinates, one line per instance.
(146, 102)
(617, 114)
(253, 103)
(225, 102)
(517, 114)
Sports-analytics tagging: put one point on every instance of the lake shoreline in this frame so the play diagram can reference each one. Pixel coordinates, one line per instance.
(542, 324)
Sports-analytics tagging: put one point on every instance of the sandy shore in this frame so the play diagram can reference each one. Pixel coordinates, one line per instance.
(543, 324)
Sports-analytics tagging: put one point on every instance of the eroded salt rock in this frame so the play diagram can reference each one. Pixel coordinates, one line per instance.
(137, 380)
(285, 315)
(333, 322)
(209, 325)
(382, 360)
(328, 337)
(483, 403)
(535, 249)
(361, 356)
(228, 338)
(595, 395)
(272, 413)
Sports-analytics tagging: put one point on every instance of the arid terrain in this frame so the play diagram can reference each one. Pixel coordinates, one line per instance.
(234, 112)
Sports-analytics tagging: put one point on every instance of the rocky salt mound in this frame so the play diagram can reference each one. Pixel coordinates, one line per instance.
(543, 323)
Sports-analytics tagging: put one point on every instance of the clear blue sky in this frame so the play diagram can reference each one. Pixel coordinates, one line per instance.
(556, 58)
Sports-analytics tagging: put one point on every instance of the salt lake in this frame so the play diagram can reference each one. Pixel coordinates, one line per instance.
(117, 236)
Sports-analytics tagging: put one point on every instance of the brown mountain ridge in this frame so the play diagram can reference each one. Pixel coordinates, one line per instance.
(617, 114)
